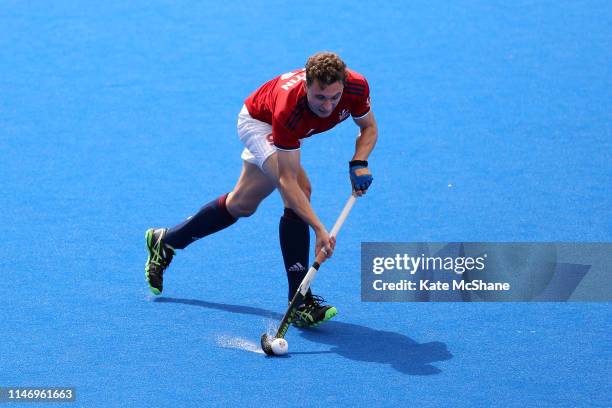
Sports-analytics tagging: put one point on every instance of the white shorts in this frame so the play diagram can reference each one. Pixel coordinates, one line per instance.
(256, 137)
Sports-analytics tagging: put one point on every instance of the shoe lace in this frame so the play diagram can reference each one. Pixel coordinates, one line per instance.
(315, 301)
(305, 313)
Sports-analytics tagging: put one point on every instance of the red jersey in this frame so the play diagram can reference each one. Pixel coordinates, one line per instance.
(282, 103)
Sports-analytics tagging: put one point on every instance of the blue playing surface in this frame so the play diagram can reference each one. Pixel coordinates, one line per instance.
(495, 125)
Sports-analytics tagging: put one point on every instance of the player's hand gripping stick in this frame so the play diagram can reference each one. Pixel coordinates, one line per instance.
(298, 298)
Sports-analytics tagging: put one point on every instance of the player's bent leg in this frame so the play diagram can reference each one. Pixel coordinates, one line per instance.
(161, 243)
(252, 188)
(294, 237)
(211, 218)
(303, 181)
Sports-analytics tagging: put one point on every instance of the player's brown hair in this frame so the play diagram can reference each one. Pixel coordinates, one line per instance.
(326, 67)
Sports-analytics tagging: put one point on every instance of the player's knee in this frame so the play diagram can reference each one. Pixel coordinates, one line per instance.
(239, 208)
(243, 212)
(248, 211)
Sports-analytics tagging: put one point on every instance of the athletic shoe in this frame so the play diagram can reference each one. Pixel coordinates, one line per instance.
(160, 256)
(313, 312)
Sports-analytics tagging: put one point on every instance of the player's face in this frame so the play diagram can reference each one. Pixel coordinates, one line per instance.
(323, 101)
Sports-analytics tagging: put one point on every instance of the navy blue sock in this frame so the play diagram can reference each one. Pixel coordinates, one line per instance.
(295, 245)
(211, 218)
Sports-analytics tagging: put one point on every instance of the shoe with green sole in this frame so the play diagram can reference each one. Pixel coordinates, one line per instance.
(313, 312)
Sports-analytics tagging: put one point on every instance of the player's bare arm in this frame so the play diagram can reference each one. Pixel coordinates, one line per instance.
(361, 178)
(288, 170)
(368, 134)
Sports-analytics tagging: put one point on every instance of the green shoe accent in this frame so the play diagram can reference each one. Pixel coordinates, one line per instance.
(331, 312)
(308, 317)
(148, 236)
(158, 259)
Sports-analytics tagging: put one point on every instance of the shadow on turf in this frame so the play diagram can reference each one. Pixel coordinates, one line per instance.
(352, 341)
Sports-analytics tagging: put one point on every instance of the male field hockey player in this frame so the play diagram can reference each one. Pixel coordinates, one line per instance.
(273, 120)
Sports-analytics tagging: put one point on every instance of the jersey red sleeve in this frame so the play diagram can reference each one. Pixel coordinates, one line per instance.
(358, 89)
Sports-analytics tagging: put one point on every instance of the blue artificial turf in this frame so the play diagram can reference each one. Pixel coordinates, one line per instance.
(494, 123)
